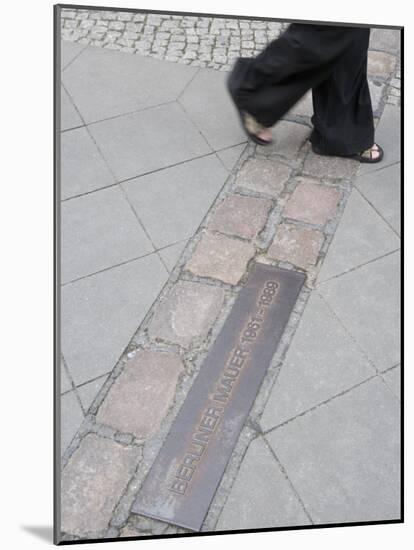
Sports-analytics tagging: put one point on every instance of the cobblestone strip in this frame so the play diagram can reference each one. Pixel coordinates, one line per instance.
(198, 41)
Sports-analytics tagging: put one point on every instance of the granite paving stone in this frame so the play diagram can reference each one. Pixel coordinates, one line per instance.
(82, 167)
(148, 378)
(321, 362)
(343, 457)
(261, 495)
(99, 230)
(313, 203)
(69, 116)
(68, 52)
(172, 202)
(362, 236)
(393, 379)
(297, 245)
(241, 216)
(92, 483)
(376, 91)
(304, 107)
(134, 145)
(129, 82)
(288, 138)
(187, 313)
(263, 176)
(380, 64)
(171, 254)
(231, 155)
(208, 104)
(388, 135)
(330, 167)
(99, 315)
(382, 188)
(367, 301)
(71, 417)
(221, 257)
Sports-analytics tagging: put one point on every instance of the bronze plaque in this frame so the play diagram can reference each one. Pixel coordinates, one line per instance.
(187, 471)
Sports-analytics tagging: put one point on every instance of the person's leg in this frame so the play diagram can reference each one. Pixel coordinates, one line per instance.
(343, 120)
(267, 86)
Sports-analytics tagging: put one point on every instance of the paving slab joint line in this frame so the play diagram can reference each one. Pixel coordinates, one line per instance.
(364, 198)
(286, 475)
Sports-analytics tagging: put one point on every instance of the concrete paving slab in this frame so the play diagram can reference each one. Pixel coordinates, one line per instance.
(387, 135)
(106, 83)
(393, 380)
(261, 495)
(208, 104)
(230, 156)
(100, 315)
(99, 230)
(148, 140)
(82, 167)
(382, 189)
(311, 372)
(387, 40)
(343, 457)
(362, 236)
(87, 392)
(69, 116)
(288, 138)
(171, 254)
(65, 383)
(367, 301)
(172, 203)
(71, 417)
(68, 52)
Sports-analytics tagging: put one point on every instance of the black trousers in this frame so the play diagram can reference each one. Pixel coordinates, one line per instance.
(330, 60)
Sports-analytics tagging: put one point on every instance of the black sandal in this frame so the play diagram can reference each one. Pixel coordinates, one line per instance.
(363, 156)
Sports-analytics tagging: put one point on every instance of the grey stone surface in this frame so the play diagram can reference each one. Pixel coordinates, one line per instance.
(393, 380)
(343, 457)
(376, 91)
(385, 39)
(362, 236)
(288, 138)
(65, 383)
(82, 167)
(100, 315)
(149, 377)
(105, 83)
(303, 107)
(172, 203)
(261, 495)
(99, 230)
(380, 64)
(68, 52)
(312, 203)
(263, 176)
(382, 188)
(87, 392)
(187, 313)
(321, 362)
(71, 417)
(230, 156)
(387, 134)
(366, 301)
(135, 144)
(171, 254)
(220, 257)
(208, 103)
(69, 116)
(92, 484)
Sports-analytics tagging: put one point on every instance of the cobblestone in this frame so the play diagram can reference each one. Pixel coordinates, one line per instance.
(297, 245)
(221, 257)
(312, 203)
(187, 314)
(263, 176)
(149, 377)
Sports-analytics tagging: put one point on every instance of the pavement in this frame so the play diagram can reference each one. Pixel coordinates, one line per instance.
(164, 207)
